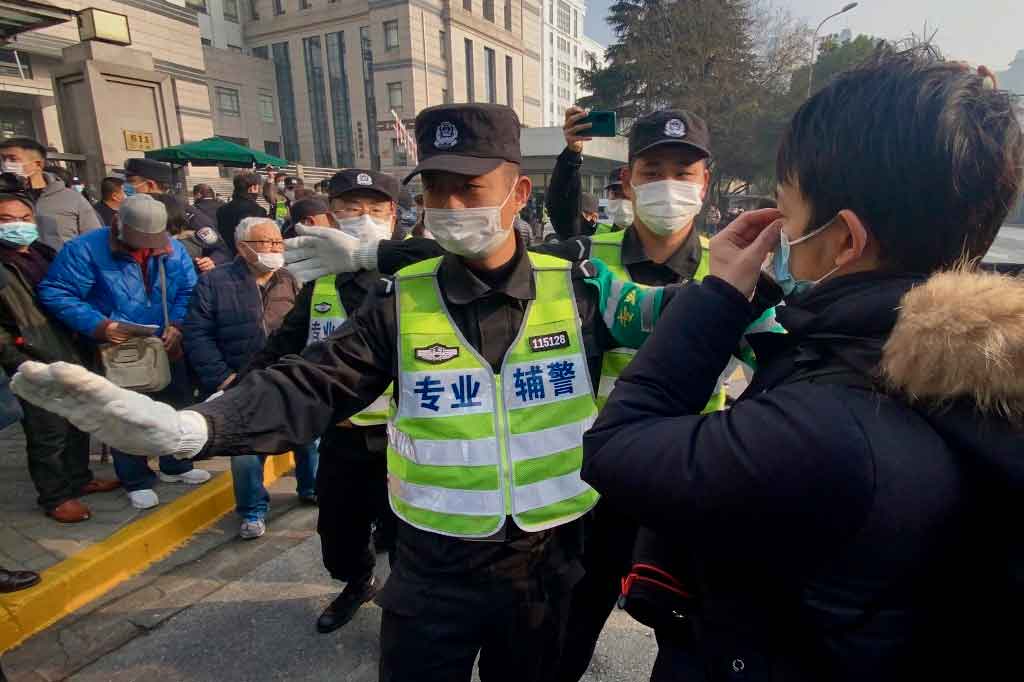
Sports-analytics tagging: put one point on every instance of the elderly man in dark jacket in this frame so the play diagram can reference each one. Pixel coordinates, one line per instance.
(855, 516)
(234, 309)
(58, 453)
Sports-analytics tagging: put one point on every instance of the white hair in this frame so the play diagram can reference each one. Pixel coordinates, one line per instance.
(245, 226)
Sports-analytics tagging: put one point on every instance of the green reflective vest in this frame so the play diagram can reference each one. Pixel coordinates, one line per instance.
(326, 313)
(605, 228)
(608, 247)
(281, 210)
(468, 447)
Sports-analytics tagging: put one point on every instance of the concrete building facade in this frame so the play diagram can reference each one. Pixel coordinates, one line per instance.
(565, 50)
(343, 66)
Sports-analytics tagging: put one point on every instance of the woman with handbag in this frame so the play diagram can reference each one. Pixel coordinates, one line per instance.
(127, 287)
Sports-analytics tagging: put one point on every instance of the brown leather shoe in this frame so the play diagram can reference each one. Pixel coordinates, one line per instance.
(71, 511)
(99, 485)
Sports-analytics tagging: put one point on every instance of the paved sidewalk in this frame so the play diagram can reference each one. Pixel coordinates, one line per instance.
(29, 540)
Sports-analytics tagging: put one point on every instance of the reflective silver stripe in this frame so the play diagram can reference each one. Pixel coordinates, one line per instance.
(548, 441)
(446, 500)
(549, 491)
(480, 452)
(611, 306)
(380, 406)
(604, 389)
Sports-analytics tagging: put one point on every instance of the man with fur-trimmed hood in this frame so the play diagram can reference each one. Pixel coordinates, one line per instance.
(856, 515)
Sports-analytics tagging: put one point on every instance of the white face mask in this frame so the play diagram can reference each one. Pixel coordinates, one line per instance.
(269, 262)
(667, 206)
(14, 167)
(366, 227)
(472, 233)
(621, 212)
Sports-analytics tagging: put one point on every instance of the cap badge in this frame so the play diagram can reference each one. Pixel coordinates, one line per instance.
(675, 128)
(447, 135)
(364, 179)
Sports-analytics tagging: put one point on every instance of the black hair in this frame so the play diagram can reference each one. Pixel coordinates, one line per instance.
(24, 143)
(203, 190)
(176, 221)
(109, 186)
(243, 181)
(62, 173)
(920, 149)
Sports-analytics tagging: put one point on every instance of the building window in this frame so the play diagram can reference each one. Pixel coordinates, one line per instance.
(564, 17)
(9, 64)
(489, 10)
(551, 12)
(575, 24)
(337, 76)
(227, 101)
(564, 73)
(490, 76)
(469, 71)
(444, 96)
(399, 155)
(391, 35)
(508, 15)
(443, 42)
(395, 96)
(467, 5)
(230, 10)
(205, 42)
(304, 4)
(272, 148)
(254, 10)
(235, 48)
(366, 48)
(279, 10)
(266, 108)
(261, 52)
(286, 101)
(197, 5)
(314, 58)
(508, 81)
(563, 45)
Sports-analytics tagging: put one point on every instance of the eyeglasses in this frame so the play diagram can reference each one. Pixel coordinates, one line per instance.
(277, 245)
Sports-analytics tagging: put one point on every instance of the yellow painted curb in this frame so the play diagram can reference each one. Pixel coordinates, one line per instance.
(99, 568)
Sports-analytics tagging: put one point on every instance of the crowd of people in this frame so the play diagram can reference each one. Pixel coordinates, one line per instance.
(535, 426)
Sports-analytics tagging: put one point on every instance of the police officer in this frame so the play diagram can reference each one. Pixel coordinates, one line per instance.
(620, 207)
(352, 475)
(666, 182)
(495, 352)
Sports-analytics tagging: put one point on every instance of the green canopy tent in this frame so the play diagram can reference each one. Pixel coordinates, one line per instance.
(214, 151)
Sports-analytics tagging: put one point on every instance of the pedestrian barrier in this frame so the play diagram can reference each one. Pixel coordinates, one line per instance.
(88, 575)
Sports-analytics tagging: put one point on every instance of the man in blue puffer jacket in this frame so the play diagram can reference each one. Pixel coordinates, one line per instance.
(112, 276)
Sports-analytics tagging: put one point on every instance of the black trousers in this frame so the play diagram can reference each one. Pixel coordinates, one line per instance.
(607, 557)
(351, 486)
(58, 456)
(436, 635)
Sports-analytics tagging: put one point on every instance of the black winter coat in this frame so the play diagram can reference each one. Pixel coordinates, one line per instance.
(232, 213)
(818, 523)
(229, 319)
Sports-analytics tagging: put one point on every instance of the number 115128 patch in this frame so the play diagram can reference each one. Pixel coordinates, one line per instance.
(549, 341)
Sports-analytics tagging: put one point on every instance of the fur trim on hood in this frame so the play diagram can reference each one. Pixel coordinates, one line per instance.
(960, 336)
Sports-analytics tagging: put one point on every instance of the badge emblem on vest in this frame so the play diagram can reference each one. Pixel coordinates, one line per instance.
(364, 179)
(447, 135)
(675, 128)
(436, 354)
(554, 341)
(207, 235)
(322, 307)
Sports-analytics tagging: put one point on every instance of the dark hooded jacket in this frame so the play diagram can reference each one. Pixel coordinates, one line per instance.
(822, 523)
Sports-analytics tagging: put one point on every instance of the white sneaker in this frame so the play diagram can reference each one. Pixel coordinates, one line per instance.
(143, 499)
(251, 530)
(193, 477)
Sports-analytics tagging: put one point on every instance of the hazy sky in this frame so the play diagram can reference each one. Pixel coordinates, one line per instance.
(981, 31)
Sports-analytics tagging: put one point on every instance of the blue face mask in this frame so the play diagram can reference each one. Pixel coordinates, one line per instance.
(780, 271)
(18, 233)
(129, 189)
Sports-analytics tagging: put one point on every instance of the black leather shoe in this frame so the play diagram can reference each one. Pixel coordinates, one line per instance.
(12, 581)
(340, 611)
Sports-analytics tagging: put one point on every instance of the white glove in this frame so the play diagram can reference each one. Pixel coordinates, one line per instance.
(323, 251)
(120, 418)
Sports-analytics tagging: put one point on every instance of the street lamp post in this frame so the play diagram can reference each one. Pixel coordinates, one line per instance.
(814, 44)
